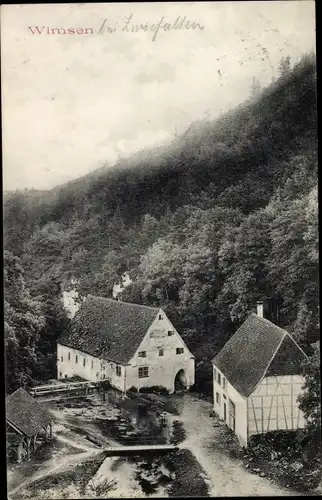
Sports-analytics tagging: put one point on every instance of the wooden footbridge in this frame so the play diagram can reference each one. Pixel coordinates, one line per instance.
(139, 449)
(66, 389)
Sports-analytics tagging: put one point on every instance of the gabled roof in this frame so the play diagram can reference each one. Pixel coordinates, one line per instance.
(25, 413)
(109, 328)
(257, 348)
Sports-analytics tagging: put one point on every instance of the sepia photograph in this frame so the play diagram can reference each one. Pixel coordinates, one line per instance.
(161, 253)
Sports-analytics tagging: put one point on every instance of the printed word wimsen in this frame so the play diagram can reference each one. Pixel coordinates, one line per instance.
(47, 30)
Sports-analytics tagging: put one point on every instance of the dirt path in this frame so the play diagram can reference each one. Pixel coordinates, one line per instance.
(227, 477)
(62, 461)
(54, 467)
(79, 446)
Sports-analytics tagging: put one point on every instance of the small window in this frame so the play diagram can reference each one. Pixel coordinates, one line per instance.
(142, 354)
(69, 356)
(224, 382)
(143, 371)
(65, 375)
(92, 365)
(170, 332)
(219, 379)
(60, 374)
(217, 398)
(118, 371)
(62, 359)
(76, 359)
(84, 362)
(179, 350)
(160, 316)
(97, 374)
(161, 352)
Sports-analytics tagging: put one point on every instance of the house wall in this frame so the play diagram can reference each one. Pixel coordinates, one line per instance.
(226, 394)
(273, 405)
(102, 369)
(162, 369)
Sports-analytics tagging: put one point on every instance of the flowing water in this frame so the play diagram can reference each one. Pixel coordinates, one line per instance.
(201, 466)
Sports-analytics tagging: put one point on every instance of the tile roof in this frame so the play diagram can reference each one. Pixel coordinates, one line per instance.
(254, 350)
(108, 328)
(25, 413)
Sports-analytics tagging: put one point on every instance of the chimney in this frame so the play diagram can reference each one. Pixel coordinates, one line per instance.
(260, 309)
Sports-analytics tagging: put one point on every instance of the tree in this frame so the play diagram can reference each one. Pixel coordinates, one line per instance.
(242, 261)
(310, 399)
(292, 262)
(23, 323)
(48, 292)
(306, 328)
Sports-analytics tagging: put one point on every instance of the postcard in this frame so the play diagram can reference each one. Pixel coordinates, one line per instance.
(161, 291)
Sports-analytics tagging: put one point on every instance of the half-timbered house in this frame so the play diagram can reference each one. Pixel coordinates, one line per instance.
(27, 422)
(257, 379)
(129, 345)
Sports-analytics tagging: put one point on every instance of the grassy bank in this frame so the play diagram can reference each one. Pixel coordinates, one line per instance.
(281, 457)
(189, 475)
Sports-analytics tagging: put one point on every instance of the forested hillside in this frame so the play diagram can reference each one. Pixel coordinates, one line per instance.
(226, 215)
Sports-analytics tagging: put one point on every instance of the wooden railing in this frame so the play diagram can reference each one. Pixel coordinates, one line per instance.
(65, 388)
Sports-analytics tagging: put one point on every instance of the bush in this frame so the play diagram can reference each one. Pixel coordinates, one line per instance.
(74, 378)
(132, 392)
(155, 389)
(106, 385)
(178, 432)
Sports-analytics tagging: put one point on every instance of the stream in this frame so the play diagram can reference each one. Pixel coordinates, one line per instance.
(202, 465)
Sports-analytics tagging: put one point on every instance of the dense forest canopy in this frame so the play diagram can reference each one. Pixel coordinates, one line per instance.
(225, 215)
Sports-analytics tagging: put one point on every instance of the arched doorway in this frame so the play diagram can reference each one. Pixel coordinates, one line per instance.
(180, 381)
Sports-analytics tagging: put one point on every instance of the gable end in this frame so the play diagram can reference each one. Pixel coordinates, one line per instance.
(287, 360)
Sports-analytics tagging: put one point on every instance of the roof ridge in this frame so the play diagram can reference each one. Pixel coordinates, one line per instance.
(20, 389)
(272, 358)
(109, 328)
(265, 320)
(263, 339)
(132, 304)
(297, 345)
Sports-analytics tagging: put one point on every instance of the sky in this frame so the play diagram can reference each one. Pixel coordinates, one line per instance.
(75, 102)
